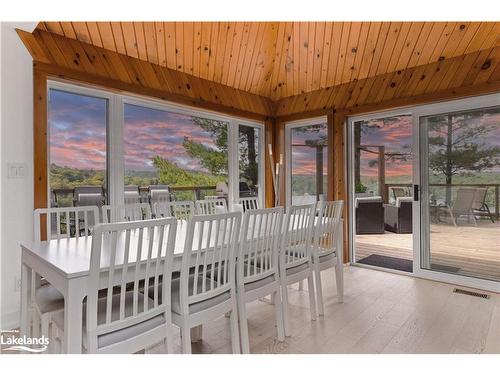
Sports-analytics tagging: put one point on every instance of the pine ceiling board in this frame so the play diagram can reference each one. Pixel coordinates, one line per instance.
(436, 33)
(262, 80)
(387, 52)
(480, 63)
(344, 40)
(311, 46)
(287, 62)
(318, 55)
(196, 48)
(351, 51)
(356, 92)
(278, 64)
(37, 51)
(370, 48)
(116, 28)
(151, 43)
(326, 54)
(253, 66)
(495, 75)
(249, 40)
(223, 33)
(129, 39)
(365, 85)
(457, 35)
(52, 47)
(360, 50)
(437, 53)
(68, 30)
(140, 41)
(241, 47)
(160, 43)
(169, 28)
(81, 32)
(206, 34)
(450, 73)
(489, 66)
(95, 36)
(439, 75)
(421, 43)
(409, 45)
(302, 56)
(428, 75)
(237, 39)
(179, 47)
(106, 34)
(228, 54)
(382, 37)
(467, 38)
(465, 67)
(394, 84)
(398, 46)
(95, 59)
(119, 69)
(384, 86)
(54, 27)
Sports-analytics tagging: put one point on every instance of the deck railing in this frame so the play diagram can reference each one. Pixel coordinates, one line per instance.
(493, 189)
(143, 191)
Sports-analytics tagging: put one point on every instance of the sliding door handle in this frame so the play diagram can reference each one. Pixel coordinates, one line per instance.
(415, 192)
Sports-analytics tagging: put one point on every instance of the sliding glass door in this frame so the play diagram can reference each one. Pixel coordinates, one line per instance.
(381, 190)
(460, 180)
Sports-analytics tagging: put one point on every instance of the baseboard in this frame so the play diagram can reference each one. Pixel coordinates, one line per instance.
(10, 320)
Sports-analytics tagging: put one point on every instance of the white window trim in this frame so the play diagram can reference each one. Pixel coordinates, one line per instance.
(288, 151)
(115, 136)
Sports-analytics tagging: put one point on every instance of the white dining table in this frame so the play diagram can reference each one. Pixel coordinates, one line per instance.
(65, 264)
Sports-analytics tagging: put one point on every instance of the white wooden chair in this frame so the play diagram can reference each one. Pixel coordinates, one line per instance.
(207, 290)
(249, 203)
(257, 266)
(181, 210)
(210, 206)
(295, 255)
(327, 248)
(127, 321)
(60, 223)
(125, 212)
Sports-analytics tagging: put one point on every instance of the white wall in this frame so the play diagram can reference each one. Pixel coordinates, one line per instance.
(16, 146)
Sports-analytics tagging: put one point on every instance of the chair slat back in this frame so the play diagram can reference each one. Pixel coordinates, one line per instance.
(125, 258)
(327, 229)
(297, 235)
(479, 198)
(464, 201)
(65, 222)
(126, 212)
(209, 257)
(249, 203)
(210, 206)
(260, 243)
(182, 210)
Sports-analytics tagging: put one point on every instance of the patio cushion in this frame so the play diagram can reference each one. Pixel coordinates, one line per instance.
(297, 269)
(121, 334)
(48, 299)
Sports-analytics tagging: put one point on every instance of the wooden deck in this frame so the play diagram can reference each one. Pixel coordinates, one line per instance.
(474, 250)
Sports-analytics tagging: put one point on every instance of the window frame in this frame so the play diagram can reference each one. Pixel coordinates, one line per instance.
(115, 151)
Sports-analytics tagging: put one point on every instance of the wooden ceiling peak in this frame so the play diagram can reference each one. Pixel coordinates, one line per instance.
(283, 59)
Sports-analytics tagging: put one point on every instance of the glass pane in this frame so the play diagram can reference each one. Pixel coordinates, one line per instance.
(77, 149)
(186, 153)
(462, 170)
(309, 153)
(249, 160)
(383, 203)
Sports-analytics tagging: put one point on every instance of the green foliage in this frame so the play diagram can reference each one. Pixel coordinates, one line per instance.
(67, 177)
(360, 188)
(170, 174)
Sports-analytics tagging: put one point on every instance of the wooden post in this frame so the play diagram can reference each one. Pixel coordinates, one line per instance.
(381, 171)
(497, 197)
(319, 171)
(40, 151)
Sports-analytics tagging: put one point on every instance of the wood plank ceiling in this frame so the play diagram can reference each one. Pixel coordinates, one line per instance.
(283, 59)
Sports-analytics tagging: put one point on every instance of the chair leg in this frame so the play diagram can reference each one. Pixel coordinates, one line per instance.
(186, 338)
(45, 326)
(284, 297)
(301, 285)
(279, 316)
(242, 313)
(319, 292)
(169, 345)
(235, 335)
(339, 277)
(312, 297)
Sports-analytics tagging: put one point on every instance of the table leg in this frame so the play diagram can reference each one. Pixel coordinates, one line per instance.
(73, 301)
(196, 333)
(26, 280)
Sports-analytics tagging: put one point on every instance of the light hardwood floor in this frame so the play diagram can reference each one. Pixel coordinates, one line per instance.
(382, 313)
(475, 250)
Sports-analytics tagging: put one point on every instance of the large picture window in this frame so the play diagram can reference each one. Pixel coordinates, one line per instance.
(77, 148)
(110, 148)
(308, 150)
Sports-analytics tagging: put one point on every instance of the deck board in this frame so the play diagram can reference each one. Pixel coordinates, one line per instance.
(475, 250)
